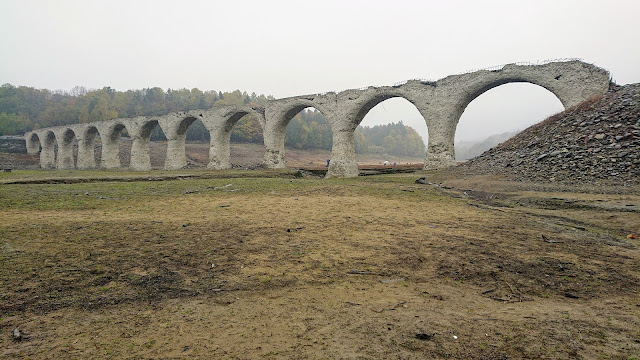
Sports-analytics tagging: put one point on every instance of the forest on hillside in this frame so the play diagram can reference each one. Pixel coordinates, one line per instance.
(25, 108)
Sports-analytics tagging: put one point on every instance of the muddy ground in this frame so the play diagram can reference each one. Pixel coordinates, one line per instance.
(264, 265)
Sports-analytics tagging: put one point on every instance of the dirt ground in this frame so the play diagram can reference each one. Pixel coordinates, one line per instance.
(264, 265)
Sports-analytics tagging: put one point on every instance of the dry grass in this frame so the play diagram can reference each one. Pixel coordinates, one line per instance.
(262, 268)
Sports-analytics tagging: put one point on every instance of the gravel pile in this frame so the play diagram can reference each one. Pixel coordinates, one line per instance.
(595, 142)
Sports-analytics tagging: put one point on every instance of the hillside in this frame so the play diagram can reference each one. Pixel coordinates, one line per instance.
(466, 150)
(595, 142)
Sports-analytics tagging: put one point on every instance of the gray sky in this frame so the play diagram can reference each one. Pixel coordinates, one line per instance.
(287, 48)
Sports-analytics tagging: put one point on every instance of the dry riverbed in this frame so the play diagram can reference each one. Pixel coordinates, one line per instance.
(267, 265)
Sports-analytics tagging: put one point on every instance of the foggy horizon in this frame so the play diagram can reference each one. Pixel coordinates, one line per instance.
(286, 48)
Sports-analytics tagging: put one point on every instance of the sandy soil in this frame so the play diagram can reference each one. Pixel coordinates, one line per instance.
(367, 268)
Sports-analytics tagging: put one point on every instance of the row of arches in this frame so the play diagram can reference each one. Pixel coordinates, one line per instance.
(440, 104)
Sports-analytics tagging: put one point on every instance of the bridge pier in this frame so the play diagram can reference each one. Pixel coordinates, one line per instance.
(176, 157)
(220, 149)
(48, 152)
(86, 155)
(140, 160)
(343, 153)
(274, 144)
(65, 156)
(110, 139)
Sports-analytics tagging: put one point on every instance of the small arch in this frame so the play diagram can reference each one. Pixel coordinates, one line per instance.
(33, 144)
(49, 139)
(67, 149)
(118, 136)
(157, 143)
(91, 146)
(196, 141)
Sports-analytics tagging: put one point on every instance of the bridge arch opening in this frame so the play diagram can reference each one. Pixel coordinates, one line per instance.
(119, 138)
(197, 139)
(93, 145)
(48, 154)
(155, 143)
(390, 129)
(34, 143)
(67, 150)
(308, 134)
(246, 142)
(500, 112)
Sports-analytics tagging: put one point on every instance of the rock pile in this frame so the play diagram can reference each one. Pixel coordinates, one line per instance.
(595, 142)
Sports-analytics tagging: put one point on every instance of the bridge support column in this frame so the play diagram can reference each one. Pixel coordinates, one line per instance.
(220, 149)
(274, 143)
(48, 156)
(176, 156)
(86, 156)
(65, 155)
(343, 154)
(140, 160)
(442, 130)
(110, 153)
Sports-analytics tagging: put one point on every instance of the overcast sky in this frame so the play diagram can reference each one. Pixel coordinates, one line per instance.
(286, 48)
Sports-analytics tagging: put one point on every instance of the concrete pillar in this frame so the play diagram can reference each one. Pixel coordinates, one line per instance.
(274, 142)
(176, 157)
(343, 153)
(110, 139)
(65, 156)
(442, 123)
(140, 160)
(86, 155)
(220, 149)
(48, 152)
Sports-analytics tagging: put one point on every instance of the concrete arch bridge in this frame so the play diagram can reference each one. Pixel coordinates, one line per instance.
(441, 104)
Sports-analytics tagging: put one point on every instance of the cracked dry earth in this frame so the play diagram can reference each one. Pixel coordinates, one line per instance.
(285, 268)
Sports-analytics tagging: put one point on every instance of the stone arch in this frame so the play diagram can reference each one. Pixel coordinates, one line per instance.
(48, 152)
(275, 129)
(110, 135)
(494, 112)
(377, 98)
(571, 82)
(140, 156)
(416, 120)
(33, 142)
(86, 147)
(66, 138)
(175, 130)
(220, 131)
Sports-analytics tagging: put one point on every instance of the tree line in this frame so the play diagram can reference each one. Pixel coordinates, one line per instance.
(25, 108)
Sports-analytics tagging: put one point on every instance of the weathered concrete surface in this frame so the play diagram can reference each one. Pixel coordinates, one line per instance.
(219, 121)
(441, 103)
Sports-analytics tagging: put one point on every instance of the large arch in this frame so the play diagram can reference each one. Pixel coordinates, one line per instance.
(278, 118)
(401, 110)
(572, 82)
(499, 113)
(220, 131)
(356, 105)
